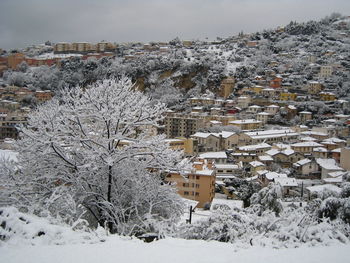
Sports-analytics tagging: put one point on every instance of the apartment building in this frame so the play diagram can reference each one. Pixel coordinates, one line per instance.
(314, 87)
(325, 71)
(183, 125)
(197, 184)
(43, 95)
(226, 87)
(9, 123)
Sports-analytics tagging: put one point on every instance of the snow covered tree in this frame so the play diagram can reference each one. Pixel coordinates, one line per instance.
(91, 151)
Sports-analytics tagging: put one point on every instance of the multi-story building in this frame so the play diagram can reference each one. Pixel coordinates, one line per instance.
(62, 47)
(314, 87)
(183, 125)
(243, 102)
(43, 95)
(197, 184)
(263, 117)
(9, 123)
(327, 96)
(344, 158)
(226, 87)
(325, 71)
(287, 96)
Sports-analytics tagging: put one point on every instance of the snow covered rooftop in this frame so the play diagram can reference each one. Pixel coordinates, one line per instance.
(302, 162)
(226, 166)
(265, 158)
(320, 149)
(273, 175)
(256, 164)
(273, 106)
(264, 113)
(224, 134)
(286, 181)
(322, 187)
(335, 180)
(306, 144)
(254, 147)
(307, 138)
(213, 155)
(338, 150)
(271, 133)
(316, 133)
(337, 174)
(206, 172)
(329, 164)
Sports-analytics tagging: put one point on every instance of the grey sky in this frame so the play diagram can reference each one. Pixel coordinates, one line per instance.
(26, 22)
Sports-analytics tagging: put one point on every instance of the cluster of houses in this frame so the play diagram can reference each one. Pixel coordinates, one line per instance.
(12, 110)
(245, 146)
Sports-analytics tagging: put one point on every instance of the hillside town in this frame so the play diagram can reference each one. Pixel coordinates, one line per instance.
(288, 125)
(124, 123)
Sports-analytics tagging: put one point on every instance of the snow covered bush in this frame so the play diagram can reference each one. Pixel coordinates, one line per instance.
(90, 151)
(294, 227)
(21, 228)
(268, 198)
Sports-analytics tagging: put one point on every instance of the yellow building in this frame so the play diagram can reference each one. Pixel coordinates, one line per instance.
(327, 96)
(257, 89)
(197, 184)
(305, 147)
(188, 145)
(286, 96)
(62, 47)
(344, 158)
(314, 87)
(226, 87)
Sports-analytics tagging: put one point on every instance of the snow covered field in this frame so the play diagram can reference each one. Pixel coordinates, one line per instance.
(116, 249)
(27, 238)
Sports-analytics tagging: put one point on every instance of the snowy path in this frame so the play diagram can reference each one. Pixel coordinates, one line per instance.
(169, 250)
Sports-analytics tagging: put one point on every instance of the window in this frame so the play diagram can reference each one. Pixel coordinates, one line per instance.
(197, 185)
(197, 177)
(186, 193)
(197, 194)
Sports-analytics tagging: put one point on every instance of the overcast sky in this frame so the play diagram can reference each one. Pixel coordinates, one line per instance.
(26, 22)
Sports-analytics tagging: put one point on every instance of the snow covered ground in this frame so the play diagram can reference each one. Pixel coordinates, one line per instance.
(30, 239)
(116, 249)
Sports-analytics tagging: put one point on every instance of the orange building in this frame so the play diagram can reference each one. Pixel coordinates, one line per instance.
(276, 83)
(198, 184)
(43, 95)
(15, 59)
